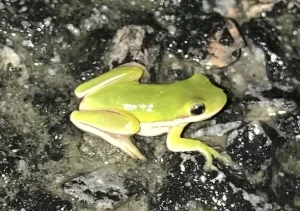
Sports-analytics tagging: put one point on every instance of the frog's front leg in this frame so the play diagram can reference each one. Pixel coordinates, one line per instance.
(113, 125)
(176, 143)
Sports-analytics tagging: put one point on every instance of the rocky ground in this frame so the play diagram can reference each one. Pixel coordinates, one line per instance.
(251, 48)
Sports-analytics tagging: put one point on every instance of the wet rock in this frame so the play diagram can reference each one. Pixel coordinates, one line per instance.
(235, 110)
(140, 204)
(127, 46)
(171, 69)
(12, 61)
(88, 60)
(55, 148)
(49, 101)
(8, 168)
(208, 39)
(54, 103)
(188, 187)
(280, 68)
(101, 150)
(21, 156)
(276, 93)
(289, 125)
(62, 41)
(135, 43)
(37, 200)
(266, 109)
(223, 7)
(103, 189)
(253, 8)
(256, 107)
(286, 188)
(288, 157)
(99, 18)
(217, 129)
(216, 43)
(253, 147)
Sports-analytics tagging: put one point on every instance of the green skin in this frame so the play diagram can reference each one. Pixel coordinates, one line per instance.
(116, 106)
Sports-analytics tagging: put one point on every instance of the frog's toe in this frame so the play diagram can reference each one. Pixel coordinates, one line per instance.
(134, 152)
(210, 153)
(224, 159)
(125, 144)
(208, 166)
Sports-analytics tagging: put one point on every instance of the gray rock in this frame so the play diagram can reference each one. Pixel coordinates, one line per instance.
(104, 189)
(252, 146)
(129, 41)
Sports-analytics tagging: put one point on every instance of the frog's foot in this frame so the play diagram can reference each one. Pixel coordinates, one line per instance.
(210, 152)
(177, 144)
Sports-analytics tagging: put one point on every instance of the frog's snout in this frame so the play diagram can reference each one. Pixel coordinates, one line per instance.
(222, 98)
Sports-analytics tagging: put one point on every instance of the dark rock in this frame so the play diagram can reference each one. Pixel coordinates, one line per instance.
(8, 166)
(206, 38)
(281, 8)
(20, 158)
(37, 200)
(289, 125)
(235, 110)
(188, 187)
(286, 188)
(210, 40)
(276, 93)
(288, 157)
(15, 144)
(52, 101)
(140, 18)
(88, 61)
(55, 148)
(257, 106)
(253, 146)
(280, 68)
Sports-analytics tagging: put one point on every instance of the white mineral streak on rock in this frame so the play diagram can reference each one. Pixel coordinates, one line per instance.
(218, 129)
(9, 56)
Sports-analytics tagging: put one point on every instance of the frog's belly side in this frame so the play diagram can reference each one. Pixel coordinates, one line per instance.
(148, 130)
(158, 128)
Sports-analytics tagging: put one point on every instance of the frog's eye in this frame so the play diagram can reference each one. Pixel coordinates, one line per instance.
(198, 109)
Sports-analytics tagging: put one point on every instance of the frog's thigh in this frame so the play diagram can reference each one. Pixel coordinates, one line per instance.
(113, 125)
(177, 144)
(125, 73)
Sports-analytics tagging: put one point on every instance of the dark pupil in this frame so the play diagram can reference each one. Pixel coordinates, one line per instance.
(198, 109)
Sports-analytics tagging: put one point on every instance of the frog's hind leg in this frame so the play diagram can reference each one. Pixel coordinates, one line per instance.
(177, 144)
(112, 125)
(125, 73)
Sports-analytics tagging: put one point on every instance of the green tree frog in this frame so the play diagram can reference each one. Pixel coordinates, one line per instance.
(115, 106)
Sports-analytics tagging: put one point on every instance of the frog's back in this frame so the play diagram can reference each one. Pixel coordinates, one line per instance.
(147, 102)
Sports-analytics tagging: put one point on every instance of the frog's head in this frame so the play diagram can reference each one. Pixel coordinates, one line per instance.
(203, 100)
